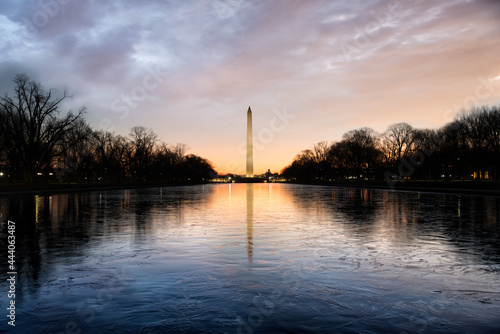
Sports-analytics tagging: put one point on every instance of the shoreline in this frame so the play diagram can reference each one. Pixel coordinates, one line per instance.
(484, 188)
(43, 189)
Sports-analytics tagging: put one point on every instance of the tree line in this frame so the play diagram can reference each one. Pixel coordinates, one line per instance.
(464, 149)
(39, 144)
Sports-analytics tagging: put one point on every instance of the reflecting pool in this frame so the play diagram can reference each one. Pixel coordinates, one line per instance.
(253, 258)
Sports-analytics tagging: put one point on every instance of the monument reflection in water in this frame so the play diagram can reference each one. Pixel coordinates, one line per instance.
(258, 258)
(249, 220)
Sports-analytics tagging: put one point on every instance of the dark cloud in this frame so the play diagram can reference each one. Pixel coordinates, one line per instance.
(8, 71)
(403, 64)
(46, 19)
(108, 57)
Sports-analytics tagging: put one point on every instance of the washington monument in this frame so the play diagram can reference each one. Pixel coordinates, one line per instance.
(249, 144)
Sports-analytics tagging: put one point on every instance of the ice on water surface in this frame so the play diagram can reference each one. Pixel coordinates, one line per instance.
(259, 258)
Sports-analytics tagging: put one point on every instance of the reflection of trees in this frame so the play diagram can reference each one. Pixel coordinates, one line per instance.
(353, 205)
(56, 229)
(400, 208)
(28, 240)
(311, 199)
(356, 205)
(473, 223)
(469, 223)
(142, 210)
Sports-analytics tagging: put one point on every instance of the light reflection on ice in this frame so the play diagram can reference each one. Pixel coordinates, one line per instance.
(261, 258)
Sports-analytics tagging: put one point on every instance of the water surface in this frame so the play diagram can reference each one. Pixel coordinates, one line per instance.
(262, 258)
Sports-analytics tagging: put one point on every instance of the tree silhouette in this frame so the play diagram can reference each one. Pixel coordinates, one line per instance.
(197, 169)
(361, 146)
(398, 140)
(32, 133)
(143, 141)
(467, 148)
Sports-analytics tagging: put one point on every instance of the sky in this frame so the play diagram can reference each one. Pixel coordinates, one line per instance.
(310, 70)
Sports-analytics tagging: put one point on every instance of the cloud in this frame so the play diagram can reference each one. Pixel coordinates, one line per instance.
(407, 63)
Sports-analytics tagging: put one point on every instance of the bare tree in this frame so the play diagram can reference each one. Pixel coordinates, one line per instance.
(468, 147)
(481, 130)
(320, 152)
(108, 166)
(119, 163)
(31, 127)
(492, 121)
(322, 159)
(362, 149)
(76, 151)
(473, 124)
(179, 151)
(341, 159)
(398, 141)
(143, 141)
(197, 169)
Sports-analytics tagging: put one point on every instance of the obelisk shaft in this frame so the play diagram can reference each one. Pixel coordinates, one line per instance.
(249, 144)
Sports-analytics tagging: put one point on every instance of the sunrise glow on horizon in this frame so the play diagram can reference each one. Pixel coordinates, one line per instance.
(310, 70)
